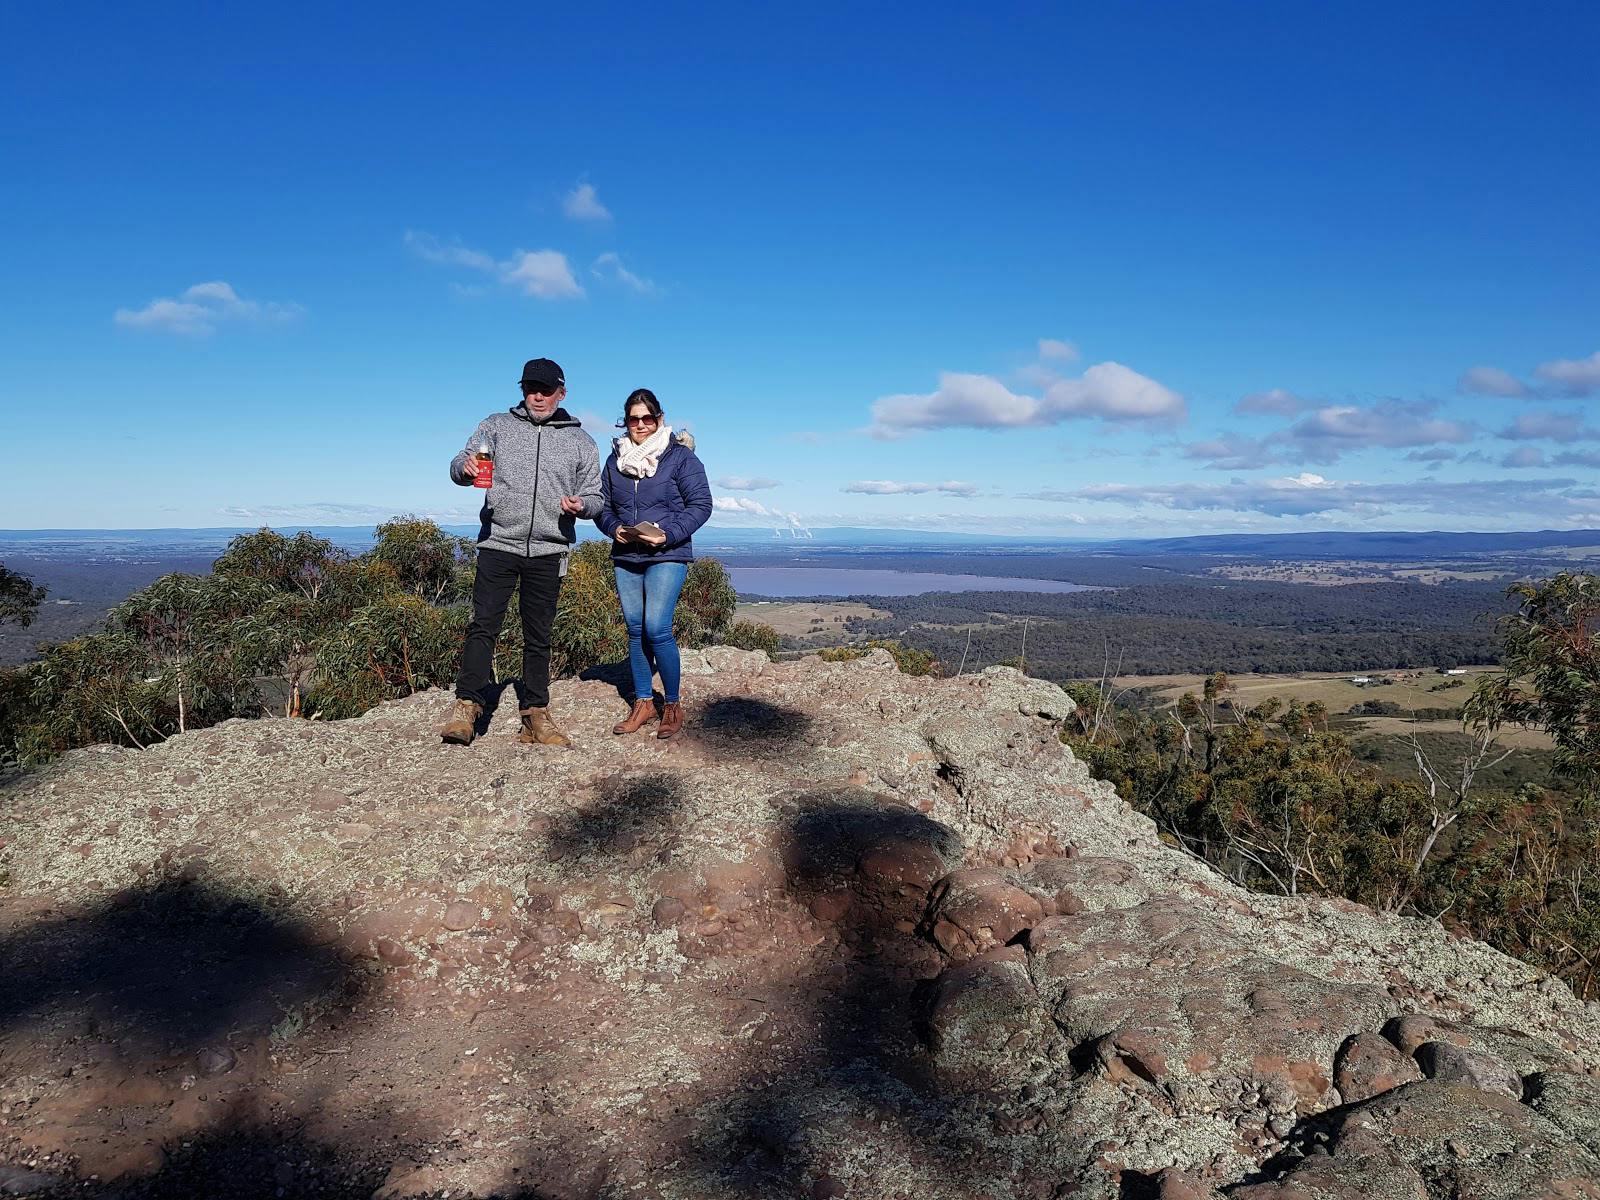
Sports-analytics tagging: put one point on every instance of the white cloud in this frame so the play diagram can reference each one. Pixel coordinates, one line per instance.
(1435, 455)
(1524, 456)
(327, 512)
(545, 274)
(742, 504)
(741, 507)
(1112, 392)
(582, 204)
(1577, 458)
(609, 266)
(1308, 494)
(1337, 429)
(972, 401)
(202, 308)
(1574, 376)
(745, 483)
(886, 487)
(430, 249)
(1231, 452)
(1108, 391)
(1275, 401)
(1057, 350)
(1544, 424)
(541, 273)
(1491, 381)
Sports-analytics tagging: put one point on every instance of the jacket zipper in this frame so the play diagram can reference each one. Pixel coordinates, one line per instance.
(533, 507)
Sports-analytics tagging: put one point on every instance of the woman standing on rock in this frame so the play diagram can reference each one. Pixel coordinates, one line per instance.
(655, 496)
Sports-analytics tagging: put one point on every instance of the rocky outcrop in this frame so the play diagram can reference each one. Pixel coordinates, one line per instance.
(850, 934)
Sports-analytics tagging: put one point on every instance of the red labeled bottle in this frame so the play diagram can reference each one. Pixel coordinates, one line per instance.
(485, 475)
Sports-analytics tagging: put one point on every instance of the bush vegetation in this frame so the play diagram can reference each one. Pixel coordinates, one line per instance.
(909, 659)
(20, 598)
(1279, 802)
(293, 625)
(1273, 795)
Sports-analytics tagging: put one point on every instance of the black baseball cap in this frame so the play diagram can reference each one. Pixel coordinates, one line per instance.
(544, 372)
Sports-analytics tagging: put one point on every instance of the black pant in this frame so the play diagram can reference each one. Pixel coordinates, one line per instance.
(540, 585)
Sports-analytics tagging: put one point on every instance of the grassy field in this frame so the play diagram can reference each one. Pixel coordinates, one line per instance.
(805, 618)
(1409, 689)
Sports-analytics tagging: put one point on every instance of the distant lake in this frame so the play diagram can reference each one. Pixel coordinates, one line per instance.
(844, 581)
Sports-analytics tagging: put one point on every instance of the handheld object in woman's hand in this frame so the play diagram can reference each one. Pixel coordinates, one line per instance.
(644, 531)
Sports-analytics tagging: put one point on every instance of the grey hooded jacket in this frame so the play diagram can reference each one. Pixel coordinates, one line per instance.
(535, 464)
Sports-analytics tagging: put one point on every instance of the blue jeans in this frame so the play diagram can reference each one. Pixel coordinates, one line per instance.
(649, 594)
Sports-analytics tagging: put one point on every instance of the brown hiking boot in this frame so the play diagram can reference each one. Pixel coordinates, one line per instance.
(462, 726)
(539, 730)
(642, 713)
(671, 719)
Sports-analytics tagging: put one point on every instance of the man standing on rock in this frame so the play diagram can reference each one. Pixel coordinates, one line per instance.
(546, 474)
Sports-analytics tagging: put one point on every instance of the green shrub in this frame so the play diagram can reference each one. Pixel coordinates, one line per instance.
(705, 607)
(910, 660)
(751, 635)
(20, 598)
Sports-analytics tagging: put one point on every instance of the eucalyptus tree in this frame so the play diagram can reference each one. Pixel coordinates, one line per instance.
(20, 598)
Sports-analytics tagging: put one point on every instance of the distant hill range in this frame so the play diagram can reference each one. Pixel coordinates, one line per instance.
(1383, 545)
(1376, 546)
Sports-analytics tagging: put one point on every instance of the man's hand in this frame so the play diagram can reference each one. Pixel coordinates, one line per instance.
(572, 505)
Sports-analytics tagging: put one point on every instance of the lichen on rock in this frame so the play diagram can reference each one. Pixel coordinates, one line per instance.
(852, 933)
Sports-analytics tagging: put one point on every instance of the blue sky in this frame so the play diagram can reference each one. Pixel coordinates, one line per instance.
(1054, 269)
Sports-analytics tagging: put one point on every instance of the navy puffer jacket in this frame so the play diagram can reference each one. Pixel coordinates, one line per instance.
(677, 498)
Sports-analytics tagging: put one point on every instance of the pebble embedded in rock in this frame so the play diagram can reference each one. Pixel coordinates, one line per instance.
(830, 906)
(393, 953)
(327, 799)
(1449, 1063)
(667, 910)
(459, 915)
(215, 1060)
(1368, 1064)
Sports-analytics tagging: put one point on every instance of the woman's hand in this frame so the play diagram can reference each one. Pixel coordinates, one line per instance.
(623, 534)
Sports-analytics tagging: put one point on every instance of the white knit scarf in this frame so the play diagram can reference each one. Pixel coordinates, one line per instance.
(639, 460)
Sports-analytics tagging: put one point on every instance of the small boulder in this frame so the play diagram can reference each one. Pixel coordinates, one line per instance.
(986, 1024)
(1449, 1063)
(215, 1060)
(978, 909)
(1481, 1144)
(1368, 1064)
(667, 911)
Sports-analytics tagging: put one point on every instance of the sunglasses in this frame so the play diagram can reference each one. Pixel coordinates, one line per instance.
(540, 389)
(647, 419)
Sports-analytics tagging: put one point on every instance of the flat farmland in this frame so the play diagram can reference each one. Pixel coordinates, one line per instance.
(806, 618)
(1409, 689)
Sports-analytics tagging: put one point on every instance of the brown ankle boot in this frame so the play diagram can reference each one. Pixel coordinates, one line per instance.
(539, 730)
(642, 713)
(462, 726)
(671, 719)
